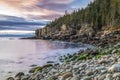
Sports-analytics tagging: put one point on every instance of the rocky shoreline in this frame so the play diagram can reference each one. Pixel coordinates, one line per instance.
(85, 35)
(98, 64)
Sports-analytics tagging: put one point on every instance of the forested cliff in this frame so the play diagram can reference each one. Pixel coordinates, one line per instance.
(99, 18)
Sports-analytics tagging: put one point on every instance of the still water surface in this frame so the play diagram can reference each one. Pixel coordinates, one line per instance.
(17, 55)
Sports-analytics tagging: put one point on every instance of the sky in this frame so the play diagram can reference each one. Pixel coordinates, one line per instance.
(29, 15)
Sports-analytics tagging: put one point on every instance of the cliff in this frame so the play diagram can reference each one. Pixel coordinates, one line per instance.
(98, 20)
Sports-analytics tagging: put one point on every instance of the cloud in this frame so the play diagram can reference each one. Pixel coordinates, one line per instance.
(11, 23)
(11, 18)
(32, 14)
(20, 32)
(28, 8)
(37, 7)
(19, 23)
(56, 5)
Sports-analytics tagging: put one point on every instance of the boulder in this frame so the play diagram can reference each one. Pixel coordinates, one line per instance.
(116, 75)
(114, 68)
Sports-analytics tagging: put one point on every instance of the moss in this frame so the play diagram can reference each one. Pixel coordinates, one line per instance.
(98, 56)
(73, 58)
(38, 69)
(111, 49)
(82, 57)
(118, 52)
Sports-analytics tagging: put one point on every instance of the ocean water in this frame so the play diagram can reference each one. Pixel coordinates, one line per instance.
(18, 55)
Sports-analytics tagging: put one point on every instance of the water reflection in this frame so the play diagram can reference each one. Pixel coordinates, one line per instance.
(18, 55)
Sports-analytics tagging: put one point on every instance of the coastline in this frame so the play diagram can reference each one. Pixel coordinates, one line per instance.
(99, 64)
(98, 24)
(98, 41)
(107, 48)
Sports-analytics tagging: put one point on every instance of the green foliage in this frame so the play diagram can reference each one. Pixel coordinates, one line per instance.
(97, 14)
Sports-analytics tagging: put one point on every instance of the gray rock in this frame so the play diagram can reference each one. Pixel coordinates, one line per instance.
(19, 75)
(89, 72)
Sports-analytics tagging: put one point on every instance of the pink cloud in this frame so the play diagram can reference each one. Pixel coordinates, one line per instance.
(38, 8)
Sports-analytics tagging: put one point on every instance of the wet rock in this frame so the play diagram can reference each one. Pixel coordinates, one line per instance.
(10, 78)
(34, 65)
(19, 75)
(50, 62)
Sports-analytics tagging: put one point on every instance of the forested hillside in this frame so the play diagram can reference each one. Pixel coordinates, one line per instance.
(97, 14)
(90, 21)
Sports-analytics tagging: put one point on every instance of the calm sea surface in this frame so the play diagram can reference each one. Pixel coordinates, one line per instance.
(17, 55)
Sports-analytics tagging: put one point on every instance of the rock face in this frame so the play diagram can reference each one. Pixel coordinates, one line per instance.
(62, 33)
(85, 34)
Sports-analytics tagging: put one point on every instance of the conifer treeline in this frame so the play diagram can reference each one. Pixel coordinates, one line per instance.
(97, 14)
